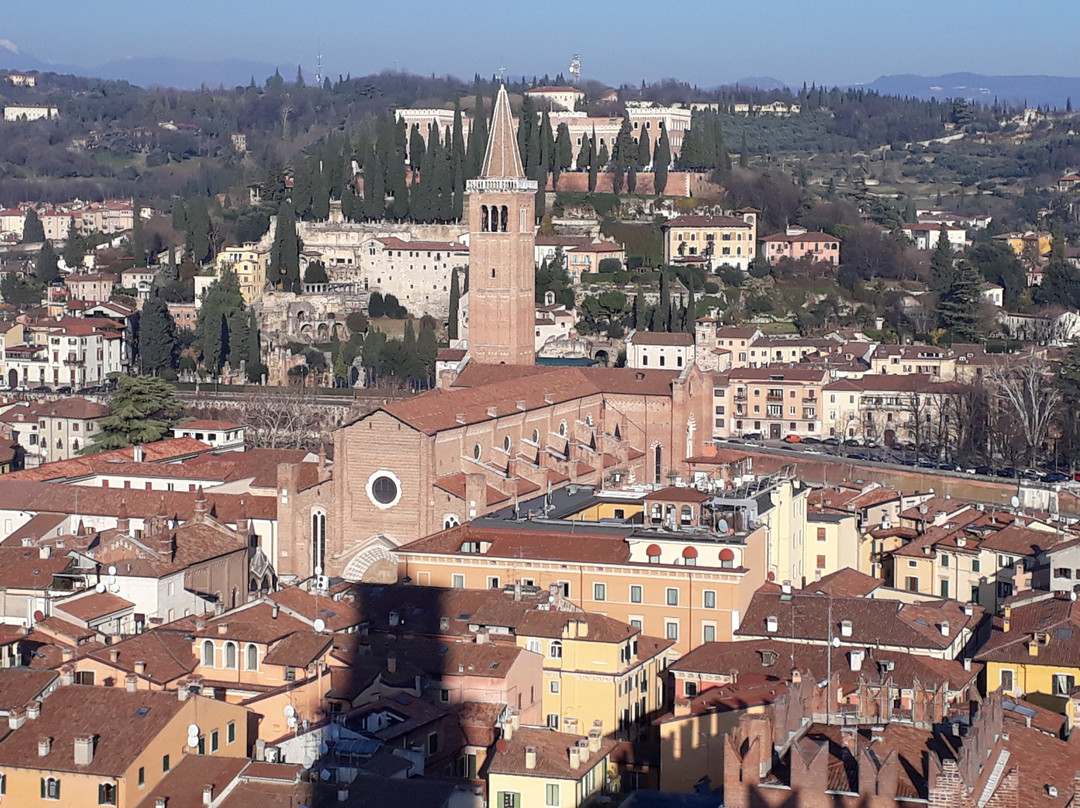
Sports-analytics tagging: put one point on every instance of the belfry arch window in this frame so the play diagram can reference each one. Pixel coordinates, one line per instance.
(504, 219)
(318, 542)
(484, 224)
(658, 463)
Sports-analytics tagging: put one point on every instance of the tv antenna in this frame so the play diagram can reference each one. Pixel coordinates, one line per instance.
(502, 74)
(575, 68)
(318, 67)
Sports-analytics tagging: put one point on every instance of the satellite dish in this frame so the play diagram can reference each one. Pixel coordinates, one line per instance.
(290, 711)
(193, 741)
(100, 588)
(320, 624)
(112, 569)
(1015, 501)
(931, 490)
(318, 569)
(114, 587)
(292, 725)
(193, 729)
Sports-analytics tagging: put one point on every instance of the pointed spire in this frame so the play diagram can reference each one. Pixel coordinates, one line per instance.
(502, 158)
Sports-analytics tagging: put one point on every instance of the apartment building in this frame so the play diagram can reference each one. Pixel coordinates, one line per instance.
(76, 352)
(249, 264)
(771, 401)
(52, 430)
(650, 349)
(797, 244)
(712, 241)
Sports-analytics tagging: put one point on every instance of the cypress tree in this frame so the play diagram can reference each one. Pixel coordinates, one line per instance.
(744, 155)
(138, 248)
(457, 165)
(564, 153)
(374, 190)
(396, 182)
(664, 307)
(661, 161)
(455, 306)
(47, 269)
(417, 148)
(33, 229)
(644, 149)
(285, 250)
(959, 304)
(158, 347)
(478, 136)
(171, 272)
(941, 264)
(74, 248)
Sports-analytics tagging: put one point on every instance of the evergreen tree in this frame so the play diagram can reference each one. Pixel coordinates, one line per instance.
(564, 153)
(394, 163)
(644, 149)
(171, 273)
(457, 165)
(33, 229)
(690, 312)
(631, 179)
(47, 269)
(959, 304)
(158, 346)
(478, 137)
(624, 151)
(427, 348)
(664, 307)
(179, 215)
(74, 247)
(138, 247)
(942, 264)
(142, 410)
(285, 250)
(198, 229)
(374, 189)
(376, 306)
(661, 161)
(19, 292)
(584, 156)
(417, 149)
(641, 312)
(602, 159)
(455, 306)
(222, 322)
(744, 152)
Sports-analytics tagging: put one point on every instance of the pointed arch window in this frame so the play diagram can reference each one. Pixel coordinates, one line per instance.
(318, 542)
(658, 463)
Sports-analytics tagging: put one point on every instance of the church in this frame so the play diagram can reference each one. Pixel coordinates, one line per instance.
(500, 429)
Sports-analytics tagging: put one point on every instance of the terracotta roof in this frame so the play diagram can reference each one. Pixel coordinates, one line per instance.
(552, 755)
(94, 605)
(183, 785)
(1023, 541)
(23, 568)
(528, 543)
(393, 243)
(676, 494)
(254, 623)
(812, 237)
(706, 221)
(847, 583)
(338, 614)
(209, 424)
(122, 724)
(675, 338)
(167, 654)
(1056, 618)
(553, 625)
(21, 685)
(298, 650)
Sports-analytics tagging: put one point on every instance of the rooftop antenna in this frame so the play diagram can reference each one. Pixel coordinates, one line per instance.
(575, 68)
(502, 74)
(318, 68)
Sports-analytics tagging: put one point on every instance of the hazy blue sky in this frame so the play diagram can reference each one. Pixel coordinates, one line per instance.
(704, 41)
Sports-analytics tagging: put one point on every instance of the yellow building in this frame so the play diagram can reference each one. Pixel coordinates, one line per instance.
(1030, 244)
(250, 265)
(89, 745)
(538, 767)
(1034, 651)
(596, 670)
(713, 241)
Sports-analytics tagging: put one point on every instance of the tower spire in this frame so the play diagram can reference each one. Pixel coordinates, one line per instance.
(502, 159)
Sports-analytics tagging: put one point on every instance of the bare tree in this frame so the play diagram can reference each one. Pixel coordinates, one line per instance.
(284, 418)
(1024, 391)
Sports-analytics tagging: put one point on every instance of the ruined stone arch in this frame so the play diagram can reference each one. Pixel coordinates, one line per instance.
(375, 563)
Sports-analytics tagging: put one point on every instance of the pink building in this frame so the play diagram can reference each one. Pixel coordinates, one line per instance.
(796, 245)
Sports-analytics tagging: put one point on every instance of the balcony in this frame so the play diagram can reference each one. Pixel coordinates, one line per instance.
(72, 359)
(740, 396)
(779, 398)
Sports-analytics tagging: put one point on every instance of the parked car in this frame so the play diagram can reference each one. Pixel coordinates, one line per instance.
(860, 456)
(1055, 477)
(63, 390)
(831, 441)
(811, 441)
(753, 436)
(792, 439)
(1030, 474)
(870, 443)
(986, 471)
(1006, 472)
(854, 442)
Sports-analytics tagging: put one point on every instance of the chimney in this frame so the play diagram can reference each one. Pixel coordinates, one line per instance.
(877, 734)
(67, 654)
(182, 693)
(771, 624)
(67, 675)
(1006, 623)
(343, 793)
(137, 453)
(944, 628)
(201, 508)
(845, 628)
(530, 757)
(575, 756)
(594, 740)
(16, 717)
(33, 710)
(482, 636)
(123, 524)
(161, 802)
(796, 676)
(274, 611)
(114, 655)
(44, 551)
(856, 656)
(223, 628)
(131, 682)
(208, 794)
(84, 750)
(391, 662)
(140, 667)
(44, 746)
(967, 663)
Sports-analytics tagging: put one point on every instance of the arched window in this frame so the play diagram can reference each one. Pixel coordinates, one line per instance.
(658, 464)
(505, 219)
(106, 794)
(75, 445)
(207, 654)
(230, 655)
(50, 788)
(484, 218)
(450, 520)
(251, 658)
(656, 512)
(686, 515)
(318, 542)
(555, 649)
(59, 443)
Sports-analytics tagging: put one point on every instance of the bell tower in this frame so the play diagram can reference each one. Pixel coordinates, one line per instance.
(502, 280)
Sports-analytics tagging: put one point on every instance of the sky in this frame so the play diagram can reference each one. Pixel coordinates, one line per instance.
(707, 42)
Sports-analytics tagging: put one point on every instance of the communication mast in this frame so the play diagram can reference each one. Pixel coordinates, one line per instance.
(575, 68)
(318, 69)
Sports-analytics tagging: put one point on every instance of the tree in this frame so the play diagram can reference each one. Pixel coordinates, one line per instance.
(220, 331)
(138, 248)
(959, 303)
(942, 264)
(285, 250)
(74, 247)
(551, 276)
(33, 229)
(997, 263)
(455, 306)
(1024, 389)
(644, 149)
(315, 274)
(564, 152)
(158, 346)
(19, 292)
(143, 410)
(661, 161)
(48, 266)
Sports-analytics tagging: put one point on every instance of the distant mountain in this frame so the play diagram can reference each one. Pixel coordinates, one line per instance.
(184, 74)
(762, 83)
(1030, 90)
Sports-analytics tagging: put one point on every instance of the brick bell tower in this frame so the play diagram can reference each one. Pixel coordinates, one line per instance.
(502, 280)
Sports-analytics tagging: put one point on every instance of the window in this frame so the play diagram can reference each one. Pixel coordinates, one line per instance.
(709, 599)
(690, 689)
(912, 563)
(142, 776)
(1062, 572)
(230, 655)
(708, 632)
(290, 674)
(944, 589)
(50, 788)
(820, 562)
(555, 649)
(215, 741)
(974, 565)
(384, 489)
(318, 542)
(106, 793)
(551, 794)
(1006, 680)
(207, 654)
(251, 658)
(821, 534)
(493, 582)
(672, 596)
(433, 743)
(912, 584)
(1064, 684)
(599, 592)
(165, 764)
(553, 720)
(458, 581)
(533, 645)
(944, 560)
(553, 686)
(1004, 562)
(671, 630)
(635, 593)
